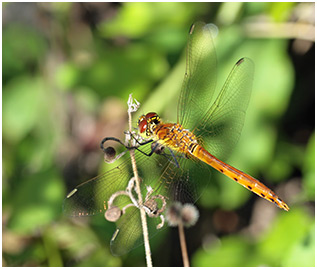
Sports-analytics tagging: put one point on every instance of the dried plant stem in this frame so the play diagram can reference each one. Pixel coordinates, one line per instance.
(140, 200)
(183, 244)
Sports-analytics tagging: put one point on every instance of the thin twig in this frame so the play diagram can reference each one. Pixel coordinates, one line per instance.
(142, 211)
(183, 244)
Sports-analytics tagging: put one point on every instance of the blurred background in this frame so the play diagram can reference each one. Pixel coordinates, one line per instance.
(68, 69)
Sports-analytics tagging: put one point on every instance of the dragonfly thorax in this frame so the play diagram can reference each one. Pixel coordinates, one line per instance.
(172, 135)
(147, 123)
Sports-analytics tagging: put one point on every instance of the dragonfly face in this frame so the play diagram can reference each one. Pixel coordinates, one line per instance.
(147, 123)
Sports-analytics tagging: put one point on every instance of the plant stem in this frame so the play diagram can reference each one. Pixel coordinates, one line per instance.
(183, 244)
(142, 211)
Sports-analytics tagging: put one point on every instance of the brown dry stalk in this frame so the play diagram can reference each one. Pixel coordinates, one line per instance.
(140, 200)
(183, 244)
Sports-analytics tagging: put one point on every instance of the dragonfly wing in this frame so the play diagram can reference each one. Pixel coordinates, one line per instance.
(128, 234)
(160, 172)
(183, 181)
(90, 197)
(200, 76)
(221, 126)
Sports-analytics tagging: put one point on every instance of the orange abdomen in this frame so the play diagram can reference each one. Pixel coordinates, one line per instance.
(242, 178)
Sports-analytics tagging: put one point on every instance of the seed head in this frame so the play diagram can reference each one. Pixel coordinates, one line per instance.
(173, 214)
(178, 213)
(113, 214)
(190, 215)
(110, 153)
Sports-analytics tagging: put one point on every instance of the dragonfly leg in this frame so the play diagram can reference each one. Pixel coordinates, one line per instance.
(155, 148)
(175, 160)
(120, 142)
(110, 139)
(140, 143)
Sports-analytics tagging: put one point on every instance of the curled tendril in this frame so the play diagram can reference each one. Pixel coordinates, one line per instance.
(113, 213)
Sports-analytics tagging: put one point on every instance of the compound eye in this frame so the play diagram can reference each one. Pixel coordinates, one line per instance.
(150, 115)
(142, 126)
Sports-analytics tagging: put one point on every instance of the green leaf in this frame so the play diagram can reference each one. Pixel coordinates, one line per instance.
(302, 254)
(22, 99)
(24, 47)
(229, 251)
(309, 169)
(287, 231)
(36, 202)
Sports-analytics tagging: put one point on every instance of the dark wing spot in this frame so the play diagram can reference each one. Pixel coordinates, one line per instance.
(235, 179)
(250, 188)
(191, 30)
(262, 195)
(272, 200)
(221, 170)
(240, 61)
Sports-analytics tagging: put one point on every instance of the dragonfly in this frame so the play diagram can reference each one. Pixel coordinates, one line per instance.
(174, 162)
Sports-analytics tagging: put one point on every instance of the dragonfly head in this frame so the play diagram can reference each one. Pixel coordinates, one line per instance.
(148, 122)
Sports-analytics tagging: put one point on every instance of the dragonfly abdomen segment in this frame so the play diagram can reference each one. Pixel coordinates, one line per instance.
(242, 178)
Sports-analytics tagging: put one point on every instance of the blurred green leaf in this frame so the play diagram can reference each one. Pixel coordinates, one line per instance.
(36, 202)
(122, 71)
(309, 169)
(148, 17)
(278, 242)
(281, 11)
(67, 76)
(22, 99)
(51, 248)
(302, 254)
(81, 243)
(232, 251)
(23, 49)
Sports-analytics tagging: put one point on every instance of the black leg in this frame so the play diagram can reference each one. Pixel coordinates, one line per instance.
(127, 147)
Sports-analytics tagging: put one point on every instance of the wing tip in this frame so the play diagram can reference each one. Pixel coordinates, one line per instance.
(240, 61)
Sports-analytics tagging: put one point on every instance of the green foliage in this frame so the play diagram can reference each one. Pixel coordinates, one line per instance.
(24, 48)
(234, 251)
(68, 69)
(279, 241)
(309, 170)
(276, 247)
(22, 99)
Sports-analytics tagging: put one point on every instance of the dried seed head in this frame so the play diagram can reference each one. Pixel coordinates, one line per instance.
(151, 205)
(173, 214)
(189, 215)
(113, 214)
(110, 153)
(186, 214)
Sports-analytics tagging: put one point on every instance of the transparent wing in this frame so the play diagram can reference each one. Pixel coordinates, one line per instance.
(200, 76)
(221, 126)
(184, 183)
(160, 172)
